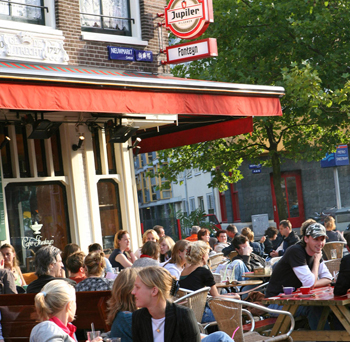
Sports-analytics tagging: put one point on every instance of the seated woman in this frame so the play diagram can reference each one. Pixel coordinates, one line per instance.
(96, 247)
(332, 234)
(122, 256)
(94, 265)
(159, 320)
(121, 305)
(177, 262)
(204, 235)
(149, 255)
(166, 244)
(11, 263)
(56, 307)
(258, 247)
(195, 276)
(148, 235)
(68, 250)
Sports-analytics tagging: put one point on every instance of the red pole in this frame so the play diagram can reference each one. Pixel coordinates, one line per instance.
(179, 229)
(142, 228)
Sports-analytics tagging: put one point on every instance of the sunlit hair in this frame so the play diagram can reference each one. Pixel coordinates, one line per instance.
(94, 247)
(75, 261)
(54, 296)
(69, 249)
(195, 252)
(149, 231)
(157, 229)
(122, 299)
(151, 248)
(248, 233)
(95, 263)
(44, 257)
(286, 224)
(202, 232)
(303, 228)
(157, 277)
(329, 223)
(179, 246)
(169, 241)
(15, 261)
(118, 237)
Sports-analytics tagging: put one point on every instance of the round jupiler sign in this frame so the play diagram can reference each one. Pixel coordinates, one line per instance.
(188, 18)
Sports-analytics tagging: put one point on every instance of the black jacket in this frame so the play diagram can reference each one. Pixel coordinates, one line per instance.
(252, 261)
(290, 240)
(36, 285)
(180, 325)
(343, 281)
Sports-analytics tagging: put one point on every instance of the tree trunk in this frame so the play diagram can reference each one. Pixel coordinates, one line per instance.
(276, 172)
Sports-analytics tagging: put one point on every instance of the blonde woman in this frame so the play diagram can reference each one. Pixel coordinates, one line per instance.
(159, 320)
(121, 305)
(195, 276)
(56, 307)
(122, 256)
(258, 247)
(166, 247)
(332, 234)
(94, 264)
(148, 235)
(176, 263)
(11, 263)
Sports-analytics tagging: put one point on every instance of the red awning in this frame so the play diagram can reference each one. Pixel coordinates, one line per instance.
(47, 97)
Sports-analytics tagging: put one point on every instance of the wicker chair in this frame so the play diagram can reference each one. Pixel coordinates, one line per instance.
(196, 301)
(333, 266)
(337, 245)
(215, 260)
(232, 255)
(228, 315)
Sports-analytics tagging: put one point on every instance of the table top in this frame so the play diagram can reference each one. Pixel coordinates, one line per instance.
(239, 283)
(319, 296)
(252, 275)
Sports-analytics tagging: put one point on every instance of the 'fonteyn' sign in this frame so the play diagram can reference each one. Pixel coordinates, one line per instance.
(188, 18)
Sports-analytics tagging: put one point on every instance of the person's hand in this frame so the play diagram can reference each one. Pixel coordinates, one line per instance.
(263, 239)
(318, 256)
(247, 250)
(273, 254)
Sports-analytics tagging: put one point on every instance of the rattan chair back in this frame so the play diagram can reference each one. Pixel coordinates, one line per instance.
(337, 245)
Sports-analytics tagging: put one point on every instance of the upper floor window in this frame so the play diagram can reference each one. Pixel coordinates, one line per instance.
(106, 16)
(32, 11)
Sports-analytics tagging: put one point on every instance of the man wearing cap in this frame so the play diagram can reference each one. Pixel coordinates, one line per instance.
(302, 265)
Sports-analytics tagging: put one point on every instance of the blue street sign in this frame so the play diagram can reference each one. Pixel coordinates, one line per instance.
(256, 171)
(121, 53)
(339, 158)
(143, 56)
(255, 166)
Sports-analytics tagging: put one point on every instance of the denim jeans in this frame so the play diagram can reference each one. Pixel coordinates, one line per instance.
(218, 336)
(237, 265)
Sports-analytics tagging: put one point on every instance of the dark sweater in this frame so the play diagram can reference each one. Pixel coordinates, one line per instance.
(36, 285)
(180, 325)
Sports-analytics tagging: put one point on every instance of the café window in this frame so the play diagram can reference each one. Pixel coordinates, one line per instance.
(37, 215)
(28, 11)
(106, 16)
(109, 204)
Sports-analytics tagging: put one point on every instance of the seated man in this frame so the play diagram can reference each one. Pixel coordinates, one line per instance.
(48, 266)
(194, 232)
(302, 265)
(289, 238)
(232, 232)
(221, 235)
(75, 266)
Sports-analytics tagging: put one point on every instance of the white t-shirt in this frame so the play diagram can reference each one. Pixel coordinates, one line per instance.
(158, 329)
(173, 269)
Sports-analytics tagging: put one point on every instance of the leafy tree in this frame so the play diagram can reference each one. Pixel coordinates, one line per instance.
(303, 46)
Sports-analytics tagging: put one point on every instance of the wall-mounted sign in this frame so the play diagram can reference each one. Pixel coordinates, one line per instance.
(191, 51)
(188, 18)
(339, 158)
(256, 171)
(255, 166)
(121, 53)
(143, 56)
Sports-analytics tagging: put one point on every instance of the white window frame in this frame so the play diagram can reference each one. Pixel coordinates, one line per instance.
(211, 203)
(192, 204)
(135, 39)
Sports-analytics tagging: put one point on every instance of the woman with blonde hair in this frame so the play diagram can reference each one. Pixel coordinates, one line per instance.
(166, 247)
(332, 234)
(195, 276)
(12, 264)
(258, 247)
(176, 263)
(56, 307)
(121, 305)
(148, 235)
(160, 320)
(122, 256)
(94, 264)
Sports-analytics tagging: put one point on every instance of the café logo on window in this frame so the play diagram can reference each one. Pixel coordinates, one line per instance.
(188, 18)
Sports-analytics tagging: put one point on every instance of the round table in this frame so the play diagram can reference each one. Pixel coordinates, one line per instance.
(252, 275)
(239, 283)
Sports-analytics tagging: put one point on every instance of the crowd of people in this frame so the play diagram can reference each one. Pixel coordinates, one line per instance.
(140, 308)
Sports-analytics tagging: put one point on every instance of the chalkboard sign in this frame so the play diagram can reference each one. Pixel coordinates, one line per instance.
(260, 223)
